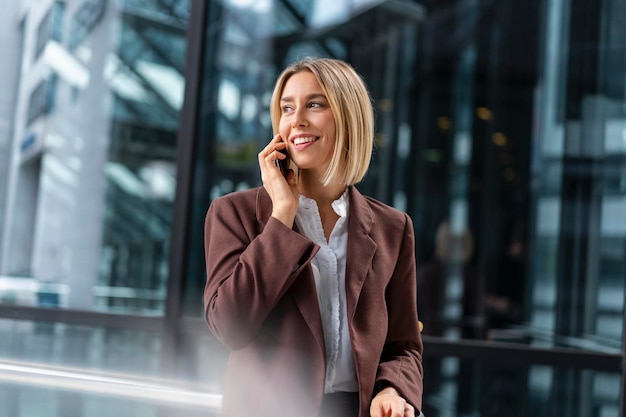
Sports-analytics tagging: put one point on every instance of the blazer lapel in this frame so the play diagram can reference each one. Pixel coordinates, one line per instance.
(361, 248)
(302, 291)
(304, 294)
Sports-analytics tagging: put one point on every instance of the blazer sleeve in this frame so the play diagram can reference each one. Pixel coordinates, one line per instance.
(401, 360)
(249, 268)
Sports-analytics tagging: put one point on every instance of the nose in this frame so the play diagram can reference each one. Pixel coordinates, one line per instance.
(299, 119)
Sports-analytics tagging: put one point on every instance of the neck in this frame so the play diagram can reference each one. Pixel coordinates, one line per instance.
(323, 195)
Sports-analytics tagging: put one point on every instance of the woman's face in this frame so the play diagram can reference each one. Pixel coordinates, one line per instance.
(307, 123)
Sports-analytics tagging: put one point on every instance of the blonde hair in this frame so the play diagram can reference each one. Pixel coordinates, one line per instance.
(352, 109)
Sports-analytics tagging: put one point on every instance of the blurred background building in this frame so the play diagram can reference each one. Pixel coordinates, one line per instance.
(501, 130)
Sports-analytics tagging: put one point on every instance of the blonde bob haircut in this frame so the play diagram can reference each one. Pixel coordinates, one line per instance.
(352, 109)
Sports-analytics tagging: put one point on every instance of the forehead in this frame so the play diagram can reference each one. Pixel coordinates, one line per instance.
(301, 83)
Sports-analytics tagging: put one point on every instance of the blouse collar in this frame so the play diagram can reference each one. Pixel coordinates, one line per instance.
(340, 205)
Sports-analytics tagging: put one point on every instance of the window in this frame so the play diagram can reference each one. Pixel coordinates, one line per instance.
(84, 19)
(42, 99)
(50, 27)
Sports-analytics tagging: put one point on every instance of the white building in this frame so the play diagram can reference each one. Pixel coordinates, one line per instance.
(64, 157)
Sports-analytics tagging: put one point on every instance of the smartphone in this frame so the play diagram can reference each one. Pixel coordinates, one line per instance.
(286, 164)
(283, 164)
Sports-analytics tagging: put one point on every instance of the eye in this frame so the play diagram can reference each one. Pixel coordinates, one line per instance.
(286, 109)
(316, 104)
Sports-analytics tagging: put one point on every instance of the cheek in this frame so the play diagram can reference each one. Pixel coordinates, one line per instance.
(283, 127)
(331, 130)
(329, 122)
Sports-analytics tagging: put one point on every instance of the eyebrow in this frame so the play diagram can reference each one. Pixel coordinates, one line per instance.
(308, 97)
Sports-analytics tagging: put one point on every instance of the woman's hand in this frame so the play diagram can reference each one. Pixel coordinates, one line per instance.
(283, 192)
(389, 403)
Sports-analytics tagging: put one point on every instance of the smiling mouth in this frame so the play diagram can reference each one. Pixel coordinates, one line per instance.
(303, 140)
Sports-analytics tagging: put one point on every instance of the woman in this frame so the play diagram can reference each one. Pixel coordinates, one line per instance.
(310, 284)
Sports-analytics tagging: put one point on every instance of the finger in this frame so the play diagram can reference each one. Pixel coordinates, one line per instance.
(276, 143)
(409, 411)
(270, 152)
(377, 408)
(269, 147)
(267, 157)
(388, 409)
(376, 412)
(398, 408)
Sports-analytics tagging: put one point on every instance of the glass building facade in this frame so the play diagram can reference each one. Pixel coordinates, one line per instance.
(500, 129)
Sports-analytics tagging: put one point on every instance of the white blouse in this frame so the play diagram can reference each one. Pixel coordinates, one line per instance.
(329, 269)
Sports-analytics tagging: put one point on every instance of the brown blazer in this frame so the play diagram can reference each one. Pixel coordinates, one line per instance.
(260, 302)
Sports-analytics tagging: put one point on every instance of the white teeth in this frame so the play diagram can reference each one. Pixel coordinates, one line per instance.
(300, 141)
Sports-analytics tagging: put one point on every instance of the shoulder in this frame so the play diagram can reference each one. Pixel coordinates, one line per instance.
(244, 212)
(381, 208)
(241, 205)
(238, 198)
(383, 214)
